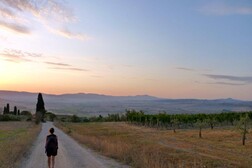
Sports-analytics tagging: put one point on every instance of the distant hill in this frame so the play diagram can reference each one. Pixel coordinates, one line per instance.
(94, 104)
(92, 96)
(27, 96)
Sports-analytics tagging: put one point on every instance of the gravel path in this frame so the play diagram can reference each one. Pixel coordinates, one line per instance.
(70, 153)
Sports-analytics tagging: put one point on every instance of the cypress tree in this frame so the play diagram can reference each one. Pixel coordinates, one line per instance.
(40, 107)
(15, 110)
(7, 108)
(40, 104)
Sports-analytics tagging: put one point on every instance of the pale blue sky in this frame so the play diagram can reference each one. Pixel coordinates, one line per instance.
(165, 48)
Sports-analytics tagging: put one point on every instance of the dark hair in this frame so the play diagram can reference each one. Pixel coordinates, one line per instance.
(51, 130)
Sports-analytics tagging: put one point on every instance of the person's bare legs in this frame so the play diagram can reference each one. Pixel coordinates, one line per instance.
(53, 161)
(49, 161)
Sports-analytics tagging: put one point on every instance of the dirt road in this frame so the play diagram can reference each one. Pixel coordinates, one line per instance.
(70, 154)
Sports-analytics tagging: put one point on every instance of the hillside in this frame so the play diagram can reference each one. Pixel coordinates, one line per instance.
(95, 104)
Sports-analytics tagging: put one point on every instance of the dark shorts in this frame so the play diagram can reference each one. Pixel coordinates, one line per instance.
(51, 152)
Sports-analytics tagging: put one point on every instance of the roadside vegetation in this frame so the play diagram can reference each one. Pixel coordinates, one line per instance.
(241, 121)
(18, 130)
(143, 147)
(164, 140)
(15, 140)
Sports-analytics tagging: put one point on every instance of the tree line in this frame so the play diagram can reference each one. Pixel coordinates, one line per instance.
(7, 110)
(16, 115)
(164, 120)
(239, 120)
(168, 121)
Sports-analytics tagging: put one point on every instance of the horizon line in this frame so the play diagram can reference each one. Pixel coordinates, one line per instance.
(100, 94)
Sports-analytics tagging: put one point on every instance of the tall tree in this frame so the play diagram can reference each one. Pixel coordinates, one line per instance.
(200, 124)
(15, 110)
(40, 103)
(175, 124)
(7, 108)
(40, 107)
(243, 127)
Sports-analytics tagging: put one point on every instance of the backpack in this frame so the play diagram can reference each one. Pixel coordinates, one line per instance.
(52, 142)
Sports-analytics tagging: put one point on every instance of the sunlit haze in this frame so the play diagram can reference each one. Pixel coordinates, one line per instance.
(164, 48)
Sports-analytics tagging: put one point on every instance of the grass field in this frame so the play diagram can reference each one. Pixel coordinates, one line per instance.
(152, 148)
(15, 140)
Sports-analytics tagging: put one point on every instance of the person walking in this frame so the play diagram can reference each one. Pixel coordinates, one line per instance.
(51, 147)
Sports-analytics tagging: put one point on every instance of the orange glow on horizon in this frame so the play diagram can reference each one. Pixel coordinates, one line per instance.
(161, 93)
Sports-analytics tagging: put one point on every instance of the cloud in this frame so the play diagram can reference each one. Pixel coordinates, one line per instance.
(221, 8)
(5, 12)
(69, 34)
(247, 79)
(63, 66)
(227, 83)
(15, 58)
(30, 54)
(185, 69)
(54, 14)
(57, 64)
(71, 69)
(56, 10)
(39, 8)
(18, 56)
(15, 27)
(225, 79)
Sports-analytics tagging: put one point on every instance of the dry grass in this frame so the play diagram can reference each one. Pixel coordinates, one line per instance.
(151, 148)
(15, 140)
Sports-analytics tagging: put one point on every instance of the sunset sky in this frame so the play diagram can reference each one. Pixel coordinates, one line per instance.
(163, 48)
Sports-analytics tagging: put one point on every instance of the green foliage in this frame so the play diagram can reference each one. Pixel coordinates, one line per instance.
(75, 118)
(40, 103)
(174, 124)
(38, 117)
(211, 120)
(175, 121)
(27, 113)
(9, 117)
(63, 119)
(50, 116)
(40, 107)
(15, 110)
(243, 126)
(7, 108)
(27, 116)
(100, 118)
(166, 121)
(201, 123)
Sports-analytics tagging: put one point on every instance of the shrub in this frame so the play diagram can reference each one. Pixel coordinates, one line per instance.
(75, 118)
(9, 117)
